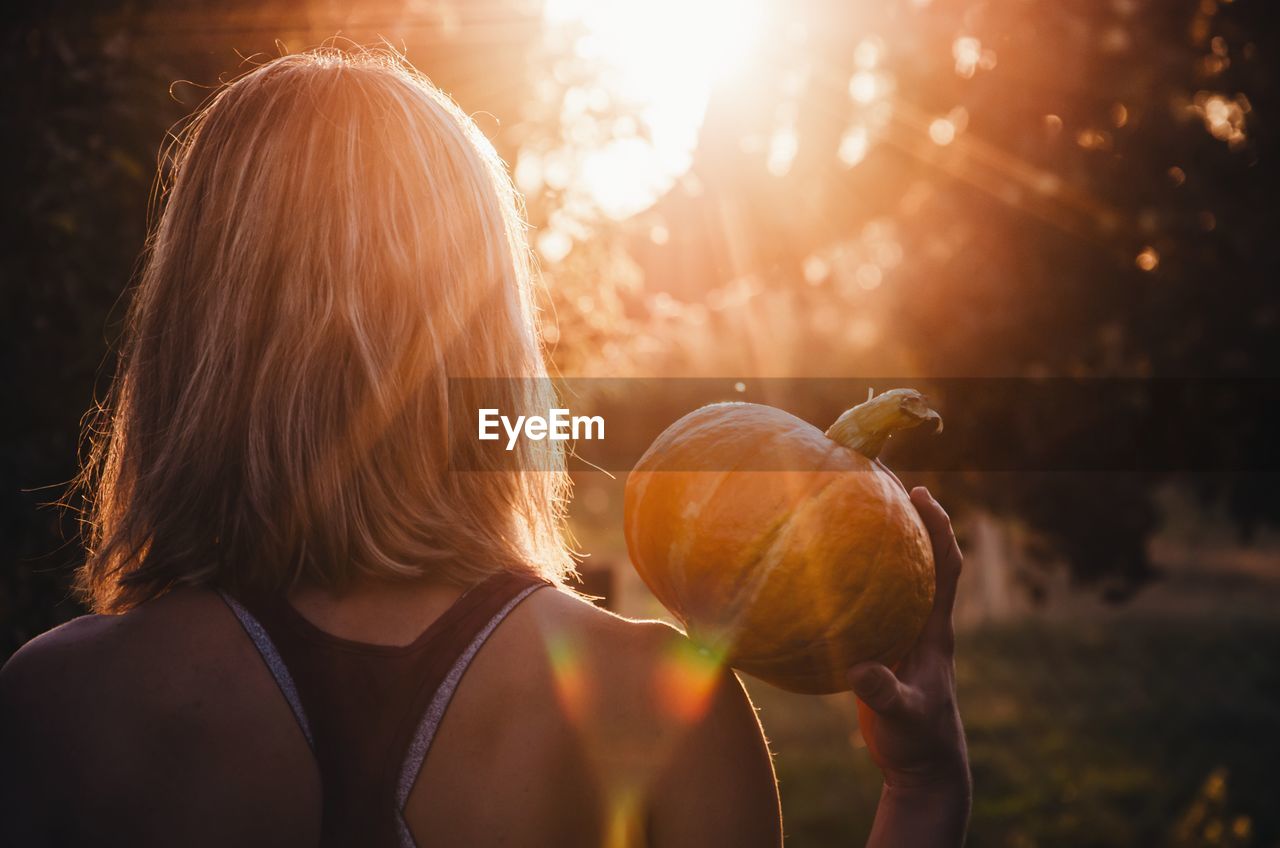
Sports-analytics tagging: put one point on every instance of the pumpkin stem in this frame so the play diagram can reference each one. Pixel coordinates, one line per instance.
(867, 426)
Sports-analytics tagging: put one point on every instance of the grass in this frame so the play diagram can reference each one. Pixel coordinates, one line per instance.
(1115, 730)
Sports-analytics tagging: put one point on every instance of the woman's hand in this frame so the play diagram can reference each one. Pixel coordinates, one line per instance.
(909, 717)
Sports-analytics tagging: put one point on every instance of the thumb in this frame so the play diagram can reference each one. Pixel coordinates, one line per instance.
(878, 688)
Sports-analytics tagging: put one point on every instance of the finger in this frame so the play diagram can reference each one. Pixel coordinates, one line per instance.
(878, 688)
(947, 561)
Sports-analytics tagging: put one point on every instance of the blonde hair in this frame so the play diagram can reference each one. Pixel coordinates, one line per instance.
(339, 252)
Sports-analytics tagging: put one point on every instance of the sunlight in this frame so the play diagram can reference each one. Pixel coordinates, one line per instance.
(659, 61)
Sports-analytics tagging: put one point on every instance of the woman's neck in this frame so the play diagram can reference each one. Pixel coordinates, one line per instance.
(373, 611)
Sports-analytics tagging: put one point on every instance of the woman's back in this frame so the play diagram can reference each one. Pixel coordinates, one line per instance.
(165, 726)
(340, 255)
(292, 422)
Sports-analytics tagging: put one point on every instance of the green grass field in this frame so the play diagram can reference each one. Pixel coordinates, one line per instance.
(1114, 730)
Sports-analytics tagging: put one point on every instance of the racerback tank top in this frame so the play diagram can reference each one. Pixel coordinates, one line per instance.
(370, 712)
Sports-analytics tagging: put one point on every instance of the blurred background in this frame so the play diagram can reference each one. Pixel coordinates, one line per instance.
(910, 189)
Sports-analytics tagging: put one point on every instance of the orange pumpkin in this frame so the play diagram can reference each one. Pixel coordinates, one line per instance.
(792, 553)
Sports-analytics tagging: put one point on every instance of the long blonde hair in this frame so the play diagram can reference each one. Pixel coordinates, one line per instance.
(340, 249)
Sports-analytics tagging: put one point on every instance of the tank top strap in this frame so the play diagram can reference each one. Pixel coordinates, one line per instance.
(501, 598)
(274, 662)
(370, 712)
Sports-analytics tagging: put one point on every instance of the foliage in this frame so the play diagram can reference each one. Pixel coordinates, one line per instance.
(1128, 730)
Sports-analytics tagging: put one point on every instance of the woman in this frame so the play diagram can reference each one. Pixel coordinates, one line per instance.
(297, 547)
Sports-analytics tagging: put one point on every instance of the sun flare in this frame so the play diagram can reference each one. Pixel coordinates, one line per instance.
(659, 63)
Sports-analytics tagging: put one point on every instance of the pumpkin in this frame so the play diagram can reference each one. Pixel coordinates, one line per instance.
(791, 553)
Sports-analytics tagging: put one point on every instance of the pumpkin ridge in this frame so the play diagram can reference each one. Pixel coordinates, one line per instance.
(689, 428)
(811, 503)
(738, 605)
(678, 550)
(845, 619)
(888, 481)
(764, 544)
(809, 498)
(835, 454)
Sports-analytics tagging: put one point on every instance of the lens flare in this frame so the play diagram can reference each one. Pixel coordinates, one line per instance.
(626, 816)
(686, 679)
(570, 677)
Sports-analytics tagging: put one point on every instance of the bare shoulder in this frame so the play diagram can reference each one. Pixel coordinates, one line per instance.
(612, 677)
(69, 662)
(169, 696)
(664, 717)
(613, 651)
(63, 650)
(564, 611)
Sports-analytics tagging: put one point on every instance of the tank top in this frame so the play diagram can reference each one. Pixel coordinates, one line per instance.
(370, 712)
